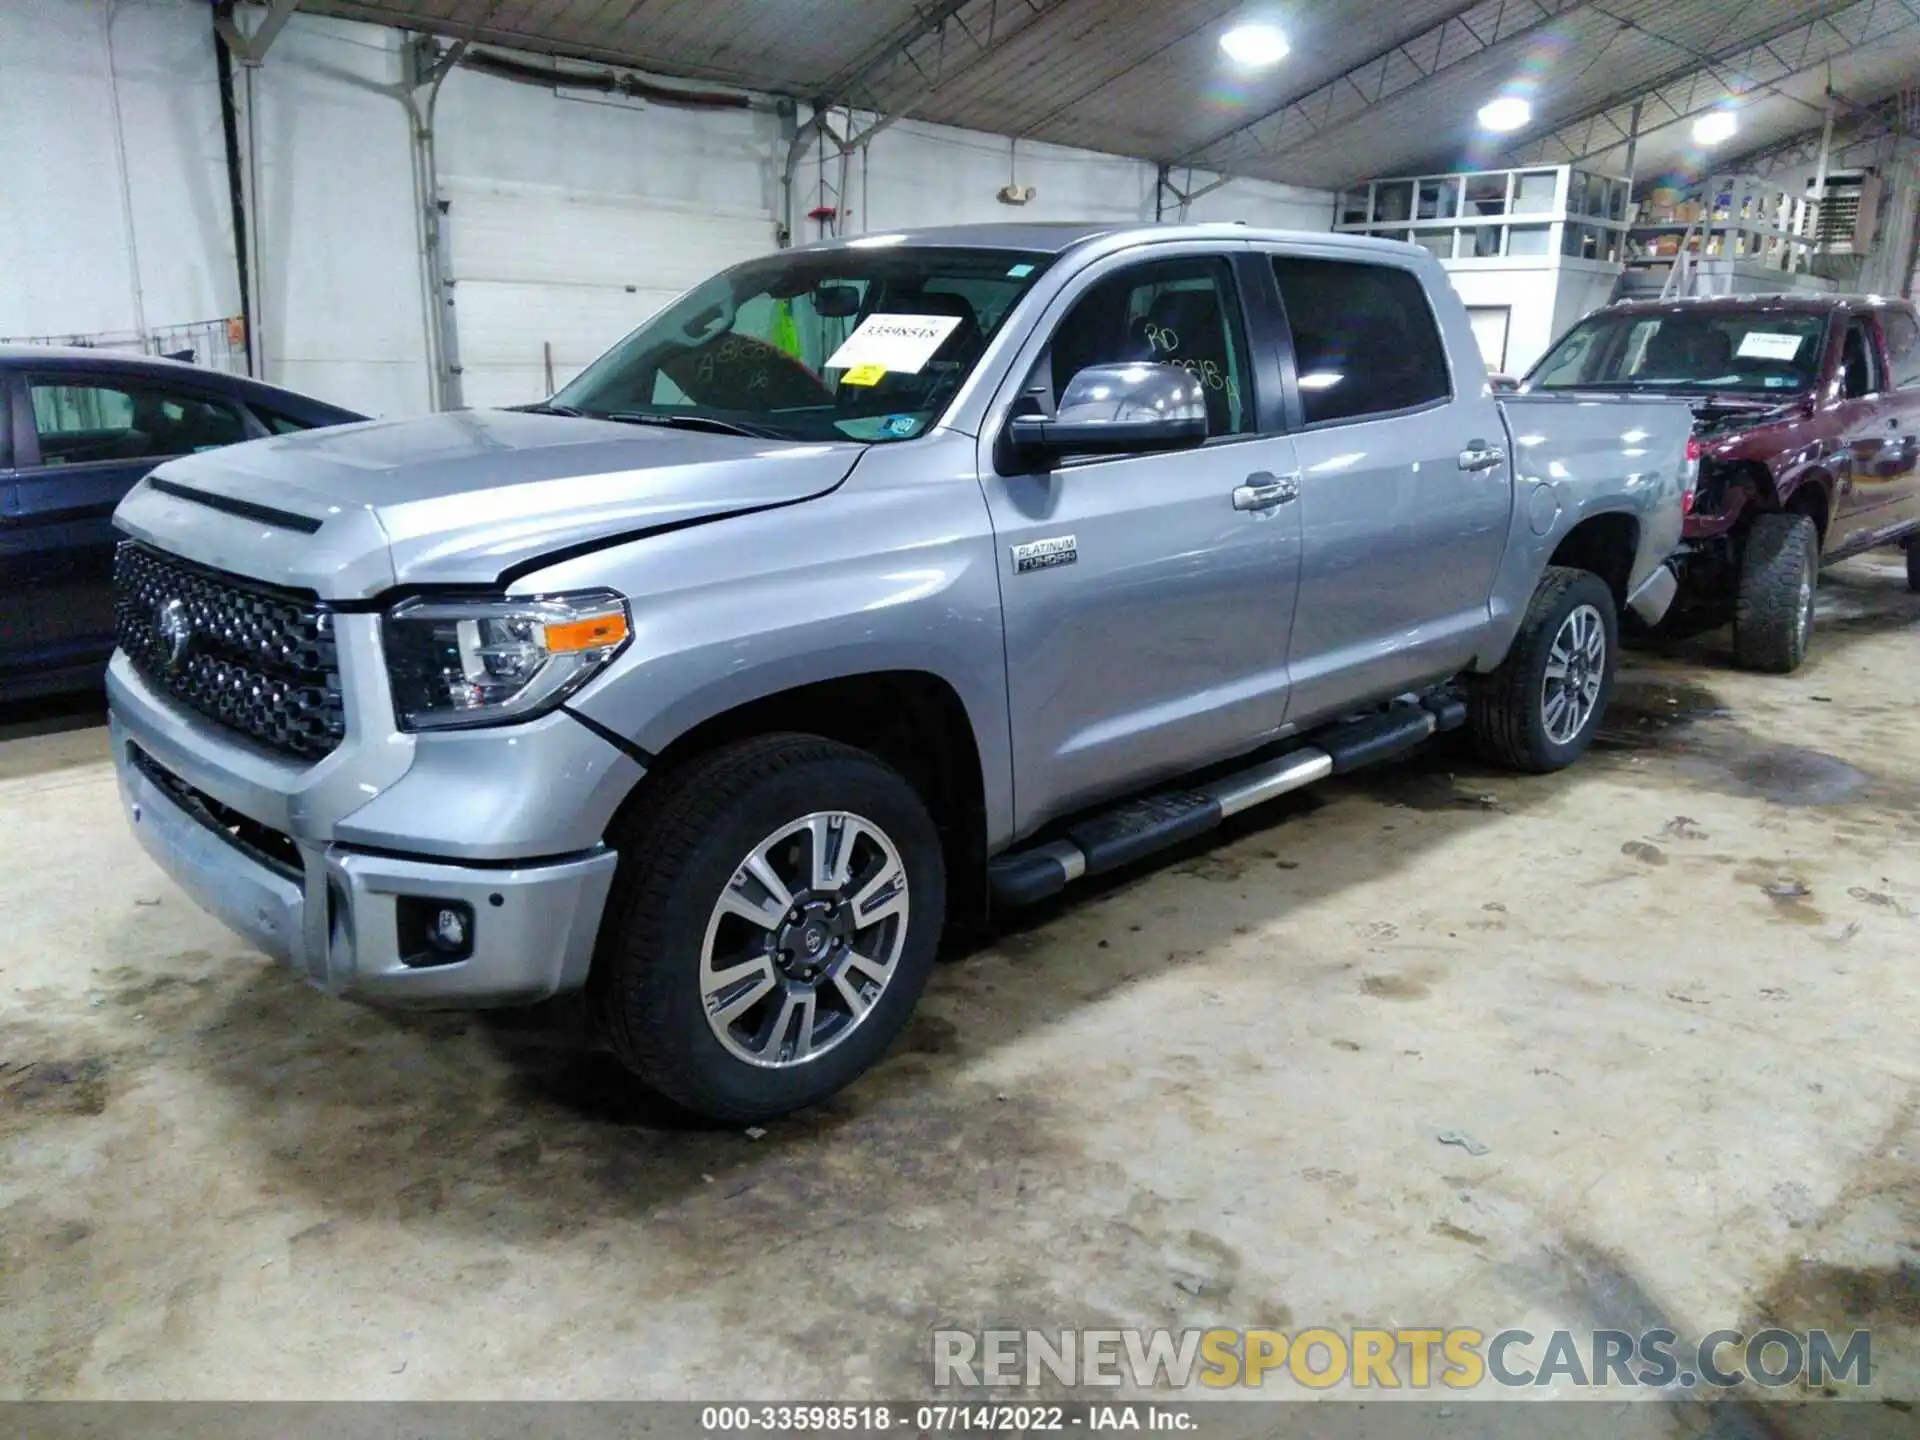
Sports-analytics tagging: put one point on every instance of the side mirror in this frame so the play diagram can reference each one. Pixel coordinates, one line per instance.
(1502, 383)
(1117, 410)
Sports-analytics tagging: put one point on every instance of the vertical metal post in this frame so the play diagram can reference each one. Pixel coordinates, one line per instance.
(443, 331)
(1633, 145)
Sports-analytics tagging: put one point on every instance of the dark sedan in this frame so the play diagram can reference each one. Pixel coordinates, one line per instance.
(77, 429)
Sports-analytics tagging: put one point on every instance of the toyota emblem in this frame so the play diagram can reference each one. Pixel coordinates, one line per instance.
(175, 631)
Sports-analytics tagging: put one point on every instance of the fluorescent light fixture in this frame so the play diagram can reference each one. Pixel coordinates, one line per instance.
(1509, 112)
(1254, 45)
(1714, 127)
(1321, 379)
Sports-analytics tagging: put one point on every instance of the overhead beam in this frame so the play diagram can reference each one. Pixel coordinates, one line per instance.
(1734, 73)
(1464, 33)
(945, 41)
(252, 49)
(1864, 125)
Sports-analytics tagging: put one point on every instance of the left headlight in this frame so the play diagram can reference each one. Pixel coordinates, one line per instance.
(457, 663)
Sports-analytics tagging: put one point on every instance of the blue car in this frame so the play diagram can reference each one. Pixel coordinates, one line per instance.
(77, 429)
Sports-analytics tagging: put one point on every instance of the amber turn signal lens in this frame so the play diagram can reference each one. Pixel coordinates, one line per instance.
(598, 632)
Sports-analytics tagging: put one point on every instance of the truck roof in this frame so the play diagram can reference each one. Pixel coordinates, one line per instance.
(1055, 237)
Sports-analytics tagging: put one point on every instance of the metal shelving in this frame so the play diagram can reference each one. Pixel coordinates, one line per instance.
(1526, 214)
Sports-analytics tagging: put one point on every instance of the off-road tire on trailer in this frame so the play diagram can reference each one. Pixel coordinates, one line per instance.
(1509, 710)
(1913, 565)
(688, 848)
(1773, 609)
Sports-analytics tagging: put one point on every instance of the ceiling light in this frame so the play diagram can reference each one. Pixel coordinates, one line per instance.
(1509, 112)
(1713, 127)
(1255, 45)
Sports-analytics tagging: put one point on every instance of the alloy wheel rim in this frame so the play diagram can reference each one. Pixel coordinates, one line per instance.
(1803, 619)
(1576, 666)
(804, 939)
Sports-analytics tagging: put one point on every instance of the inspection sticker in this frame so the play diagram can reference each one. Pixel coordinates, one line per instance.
(1765, 345)
(894, 342)
(864, 375)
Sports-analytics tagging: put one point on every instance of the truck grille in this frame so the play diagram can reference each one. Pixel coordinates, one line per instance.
(256, 659)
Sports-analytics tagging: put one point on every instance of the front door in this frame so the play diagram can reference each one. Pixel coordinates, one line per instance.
(1146, 616)
(92, 439)
(1405, 490)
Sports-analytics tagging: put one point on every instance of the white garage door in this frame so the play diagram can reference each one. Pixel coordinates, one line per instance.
(547, 271)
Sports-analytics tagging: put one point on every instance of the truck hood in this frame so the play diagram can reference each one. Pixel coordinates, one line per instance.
(460, 498)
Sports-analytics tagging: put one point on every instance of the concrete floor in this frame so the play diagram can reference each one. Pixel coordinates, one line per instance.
(1224, 1073)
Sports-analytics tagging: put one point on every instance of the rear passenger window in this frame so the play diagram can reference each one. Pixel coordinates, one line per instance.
(1903, 347)
(80, 422)
(1364, 338)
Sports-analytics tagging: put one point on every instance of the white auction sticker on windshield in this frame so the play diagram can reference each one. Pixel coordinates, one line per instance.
(895, 342)
(1766, 345)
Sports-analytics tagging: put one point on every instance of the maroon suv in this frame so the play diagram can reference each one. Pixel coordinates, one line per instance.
(1808, 441)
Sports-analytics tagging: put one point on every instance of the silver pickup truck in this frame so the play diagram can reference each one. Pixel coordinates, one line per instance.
(869, 583)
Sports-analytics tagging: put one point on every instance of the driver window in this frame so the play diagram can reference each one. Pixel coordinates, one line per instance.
(1857, 361)
(1182, 312)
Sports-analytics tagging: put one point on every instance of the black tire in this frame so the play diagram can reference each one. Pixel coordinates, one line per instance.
(1913, 566)
(1773, 609)
(677, 855)
(1507, 710)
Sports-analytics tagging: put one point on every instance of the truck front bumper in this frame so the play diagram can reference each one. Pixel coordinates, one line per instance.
(344, 915)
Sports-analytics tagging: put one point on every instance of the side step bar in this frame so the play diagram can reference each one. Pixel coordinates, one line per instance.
(1135, 828)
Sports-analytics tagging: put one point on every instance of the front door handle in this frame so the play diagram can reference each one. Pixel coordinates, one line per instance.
(1481, 456)
(1264, 491)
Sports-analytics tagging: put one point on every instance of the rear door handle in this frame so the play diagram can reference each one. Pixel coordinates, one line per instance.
(1481, 456)
(1263, 491)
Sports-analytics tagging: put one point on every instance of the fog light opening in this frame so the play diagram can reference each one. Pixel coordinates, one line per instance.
(433, 931)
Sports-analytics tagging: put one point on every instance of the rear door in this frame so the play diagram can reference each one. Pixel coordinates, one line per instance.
(1900, 337)
(90, 437)
(1405, 487)
(16, 621)
(1870, 430)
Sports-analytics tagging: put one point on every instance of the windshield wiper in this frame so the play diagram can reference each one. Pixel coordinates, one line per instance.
(547, 407)
(692, 422)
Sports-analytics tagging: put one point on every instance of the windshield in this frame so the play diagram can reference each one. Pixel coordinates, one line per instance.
(1760, 351)
(859, 344)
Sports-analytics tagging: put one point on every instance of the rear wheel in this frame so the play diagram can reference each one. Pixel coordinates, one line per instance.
(774, 920)
(1541, 709)
(1773, 610)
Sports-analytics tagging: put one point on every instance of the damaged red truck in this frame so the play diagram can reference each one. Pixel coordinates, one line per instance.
(1808, 439)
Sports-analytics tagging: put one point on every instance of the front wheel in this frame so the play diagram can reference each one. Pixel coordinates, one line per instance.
(1541, 709)
(774, 919)
(1773, 611)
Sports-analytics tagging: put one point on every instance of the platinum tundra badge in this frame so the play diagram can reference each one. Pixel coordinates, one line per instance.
(1045, 554)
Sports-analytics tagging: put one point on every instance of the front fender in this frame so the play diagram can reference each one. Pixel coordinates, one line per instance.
(893, 572)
